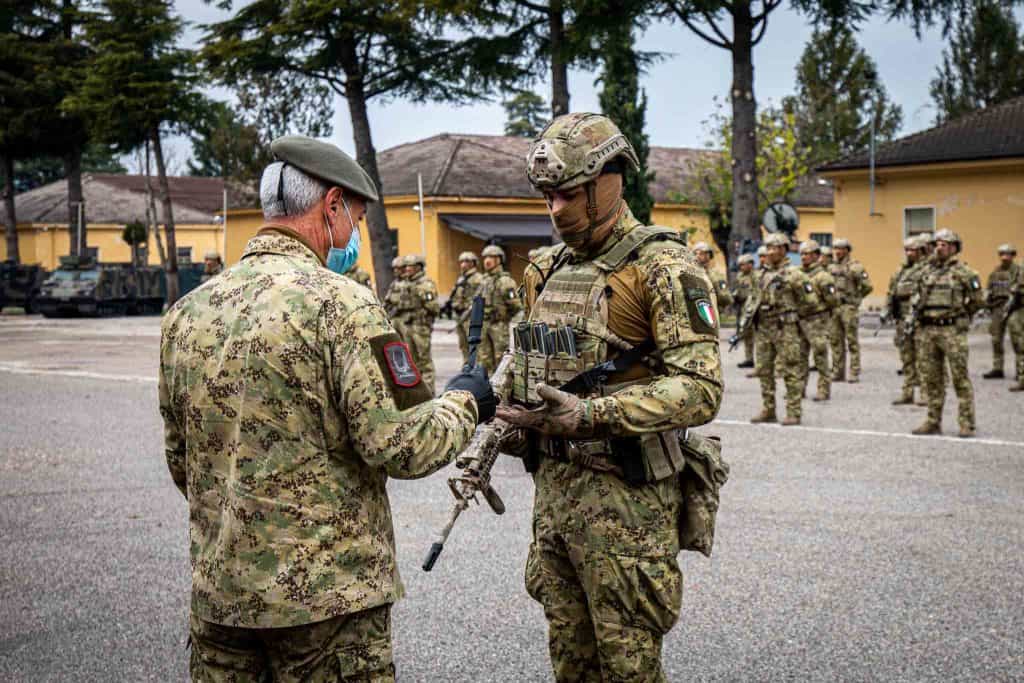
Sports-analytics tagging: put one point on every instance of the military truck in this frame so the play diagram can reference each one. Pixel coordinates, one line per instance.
(81, 286)
(20, 285)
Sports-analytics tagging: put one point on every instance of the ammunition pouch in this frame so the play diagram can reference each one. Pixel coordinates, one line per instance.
(705, 474)
(532, 368)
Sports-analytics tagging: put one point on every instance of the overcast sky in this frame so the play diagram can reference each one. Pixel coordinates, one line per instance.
(680, 90)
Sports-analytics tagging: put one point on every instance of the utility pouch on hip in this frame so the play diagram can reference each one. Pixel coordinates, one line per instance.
(663, 457)
(629, 456)
(705, 473)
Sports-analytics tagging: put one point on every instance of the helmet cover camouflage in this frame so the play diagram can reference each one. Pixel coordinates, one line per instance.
(826, 251)
(776, 239)
(842, 243)
(745, 258)
(493, 250)
(947, 235)
(211, 256)
(762, 250)
(414, 260)
(573, 149)
(1007, 249)
(809, 247)
(703, 246)
(397, 262)
(467, 256)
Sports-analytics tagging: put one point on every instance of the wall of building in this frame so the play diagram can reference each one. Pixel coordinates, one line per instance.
(45, 244)
(983, 202)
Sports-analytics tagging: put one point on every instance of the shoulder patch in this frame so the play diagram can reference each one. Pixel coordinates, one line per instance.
(400, 371)
(975, 282)
(699, 306)
(808, 287)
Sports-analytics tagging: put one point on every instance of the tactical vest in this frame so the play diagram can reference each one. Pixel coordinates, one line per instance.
(495, 308)
(1000, 284)
(406, 300)
(945, 294)
(846, 282)
(906, 282)
(816, 303)
(575, 296)
(778, 303)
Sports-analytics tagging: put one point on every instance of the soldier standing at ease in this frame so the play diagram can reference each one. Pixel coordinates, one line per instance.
(1015, 324)
(461, 300)
(281, 430)
(902, 286)
(394, 295)
(212, 265)
(784, 291)
(815, 319)
(501, 304)
(948, 294)
(704, 255)
(746, 281)
(853, 285)
(999, 284)
(417, 308)
(605, 534)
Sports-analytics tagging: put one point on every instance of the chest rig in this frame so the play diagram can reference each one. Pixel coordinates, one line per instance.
(906, 282)
(845, 284)
(945, 293)
(778, 304)
(1001, 283)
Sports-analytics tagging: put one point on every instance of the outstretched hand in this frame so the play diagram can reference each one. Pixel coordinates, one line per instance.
(562, 414)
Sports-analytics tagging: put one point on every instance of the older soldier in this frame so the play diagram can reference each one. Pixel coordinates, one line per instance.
(461, 300)
(948, 294)
(746, 281)
(999, 284)
(783, 291)
(288, 400)
(418, 307)
(606, 514)
(902, 286)
(501, 304)
(705, 254)
(212, 266)
(360, 276)
(815, 319)
(853, 284)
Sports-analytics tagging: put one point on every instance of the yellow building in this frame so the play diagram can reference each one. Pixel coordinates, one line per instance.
(966, 175)
(111, 202)
(475, 190)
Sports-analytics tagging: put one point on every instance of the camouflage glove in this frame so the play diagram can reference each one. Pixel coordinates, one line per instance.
(561, 415)
(514, 442)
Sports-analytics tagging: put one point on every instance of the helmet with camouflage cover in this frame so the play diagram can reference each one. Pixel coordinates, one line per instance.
(414, 260)
(397, 262)
(745, 258)
(762, 250)
(911, 243)
(467, 256)
(826, 251)
(809, 247)
(947, 235)
(493, 250)
(842, 243)
(703, 246)
(573, 150)
(1007, 249)
(776, 239)
(211, 256)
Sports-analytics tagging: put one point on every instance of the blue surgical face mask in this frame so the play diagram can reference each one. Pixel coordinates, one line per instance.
(341, 261)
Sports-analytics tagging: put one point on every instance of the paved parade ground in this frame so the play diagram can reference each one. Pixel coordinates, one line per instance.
(846, 549)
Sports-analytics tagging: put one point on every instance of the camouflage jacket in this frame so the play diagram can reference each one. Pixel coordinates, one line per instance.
(721, 285)
(361, 276)
(501, 296)
(744, 288)
(465, 289)
(394, 295)
(783, 292)
(902, 285)
(825, 296)
(418, 304)
(287, 403)
(947, 289)
(1000, 284)
(852, 281)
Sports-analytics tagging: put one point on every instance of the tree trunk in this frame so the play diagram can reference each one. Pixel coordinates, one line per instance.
(77, 234)
(152, 226)
(383, 243)
(11, 224)
(168, 211)
(745, 222)
(559, 68)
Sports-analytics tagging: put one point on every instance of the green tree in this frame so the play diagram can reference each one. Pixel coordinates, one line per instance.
(223, 146)
(984, 63)
(33, 171)
(138, 83)
(362, 50)
(525, 114)
(839, 95)
(782, 164)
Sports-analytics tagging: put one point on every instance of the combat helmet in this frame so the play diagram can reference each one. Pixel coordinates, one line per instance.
(745, 258)
(762, 250)
(809, 247)
(573, 150)
(1007, 249)
(414, 260)
(467, 256)
(842, 243)
(211, 256)
(947, 235)
(493, 250)
(826, 251)
(776, 239)
(911, 243)
(398, 262)
(703, 246)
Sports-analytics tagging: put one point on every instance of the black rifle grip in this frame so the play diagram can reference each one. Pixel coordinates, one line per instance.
(435, 552)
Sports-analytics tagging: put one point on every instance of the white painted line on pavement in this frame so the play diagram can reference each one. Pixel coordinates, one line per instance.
(870, 432)
(17, 369)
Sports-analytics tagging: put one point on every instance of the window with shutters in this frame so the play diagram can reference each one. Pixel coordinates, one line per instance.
(918, 219)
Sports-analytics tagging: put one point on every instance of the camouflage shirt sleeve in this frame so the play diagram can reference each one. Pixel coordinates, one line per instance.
(510, 300)
(174, 435)
(690, 392)
(407, 444)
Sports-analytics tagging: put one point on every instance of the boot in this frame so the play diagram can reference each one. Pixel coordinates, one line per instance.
(838, 378)
(854, 379)
(921, 402)
(763, 416)
(745, 364)
(752, 374)
(993, 374)
(966, 432)
(926, 428)
(820, 397)
(790, 421)
(1017, 387)
(904, 400)
(899, 371)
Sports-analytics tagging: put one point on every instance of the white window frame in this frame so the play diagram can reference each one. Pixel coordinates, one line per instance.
(906, 226)
(191, 251)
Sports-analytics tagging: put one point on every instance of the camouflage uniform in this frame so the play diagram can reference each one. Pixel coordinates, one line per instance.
(1015, 325)
(418, 306)
(947, 295)
(815, 319)
(999, 284)
(744, 288)
(853, 285)
(212, 267)
(902, 286)
(360, 276)
(466, 287)
(603, 558)
(394, 295)
(501, 303)
(284, 418)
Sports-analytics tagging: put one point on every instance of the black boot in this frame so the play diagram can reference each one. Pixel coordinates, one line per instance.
(993, 374)
(745, 364)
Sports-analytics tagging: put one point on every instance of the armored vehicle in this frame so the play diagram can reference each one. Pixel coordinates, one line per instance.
(20, 285)
(81, 286)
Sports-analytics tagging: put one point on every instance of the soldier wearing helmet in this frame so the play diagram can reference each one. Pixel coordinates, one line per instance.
(212, 265)
(853, 284)
(1000, 284)
(902, 285)
(705, 254)
(783, 291)
(501, 304)
(816, 319)
(762, 255)
(947, 295)
(1015, 324)
(394, 294)
(826, 257)
(461, 299)
(416, 308)
(746, 281)
(607, 489)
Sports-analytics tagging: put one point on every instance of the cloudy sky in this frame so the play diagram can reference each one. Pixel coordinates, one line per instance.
(680, 89)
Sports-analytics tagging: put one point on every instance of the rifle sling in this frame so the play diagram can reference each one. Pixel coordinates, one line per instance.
(598, 375)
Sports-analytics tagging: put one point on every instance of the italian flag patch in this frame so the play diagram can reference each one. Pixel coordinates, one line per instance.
(707, 313)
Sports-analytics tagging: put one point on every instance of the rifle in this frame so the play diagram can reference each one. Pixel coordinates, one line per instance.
(1013, 303)
(744, 322)
(447, 311)
(476, 461)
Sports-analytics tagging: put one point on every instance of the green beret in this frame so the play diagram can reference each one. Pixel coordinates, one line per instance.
(324, 161)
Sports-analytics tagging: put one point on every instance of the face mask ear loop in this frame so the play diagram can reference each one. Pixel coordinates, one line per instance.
(351, 222)
(330, 233)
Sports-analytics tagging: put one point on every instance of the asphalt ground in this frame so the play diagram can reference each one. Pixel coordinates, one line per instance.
(845, 550)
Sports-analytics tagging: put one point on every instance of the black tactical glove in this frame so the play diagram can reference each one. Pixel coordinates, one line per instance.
(474, 380)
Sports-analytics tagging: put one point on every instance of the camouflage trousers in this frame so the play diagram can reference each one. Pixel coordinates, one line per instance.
(1015, 324)
(352, 647)
(814, 340)
(937, 347)
(748, 345)
(777, 347)
(845, 338)
(908, 360)
(493, 344)
(603, 565)
(462, 330)
(997, 329)
(418, 340)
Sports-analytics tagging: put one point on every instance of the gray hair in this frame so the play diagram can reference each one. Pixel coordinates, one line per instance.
(301, 191)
